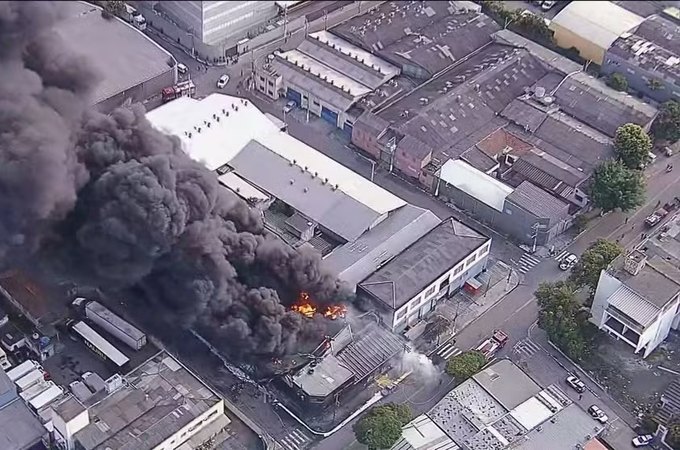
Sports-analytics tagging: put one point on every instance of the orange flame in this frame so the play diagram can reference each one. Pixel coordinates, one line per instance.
(305, 307)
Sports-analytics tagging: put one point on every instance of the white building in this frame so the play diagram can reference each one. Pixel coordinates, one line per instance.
(407, 288)
(354, 224)
(160, 406)
(636, 299)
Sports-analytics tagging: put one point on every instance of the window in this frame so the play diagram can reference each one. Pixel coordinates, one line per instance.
(471, 259)
(401, 314)
(316, 103)
(458, 270)
(578, 197)
(270, 92)
(270, 83)
(431, 290)
(261, 78)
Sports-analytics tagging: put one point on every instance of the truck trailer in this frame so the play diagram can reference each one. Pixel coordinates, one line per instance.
(22, 369)
(113, 324)
(184, 89)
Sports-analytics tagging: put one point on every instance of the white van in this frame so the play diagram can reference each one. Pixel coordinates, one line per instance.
(4, 362)
(182, 69)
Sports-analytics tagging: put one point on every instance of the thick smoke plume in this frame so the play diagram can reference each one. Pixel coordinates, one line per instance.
(139, 211)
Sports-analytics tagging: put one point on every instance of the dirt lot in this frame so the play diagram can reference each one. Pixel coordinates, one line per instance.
(634, 382)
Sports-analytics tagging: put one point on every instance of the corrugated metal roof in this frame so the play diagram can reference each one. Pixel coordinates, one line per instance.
(423, 434)
(539, 202)
(241, 187)
(633, 305)
(599, 22)
(475, 183)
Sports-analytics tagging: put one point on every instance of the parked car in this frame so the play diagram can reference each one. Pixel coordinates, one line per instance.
(576, 383)
(568, 262)
(182, 69)
(222, 82)
(290, 105)
(643, 440)
(547, 5)
(597, 414)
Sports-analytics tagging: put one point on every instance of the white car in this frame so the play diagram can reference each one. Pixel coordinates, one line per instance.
(290, 105)
(568, 262)
(597, 414)
(547, 5)
(578, 385)
(224, 79)
(182, 69)
(642, 440)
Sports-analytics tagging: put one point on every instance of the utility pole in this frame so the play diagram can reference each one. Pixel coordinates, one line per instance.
(535, 236)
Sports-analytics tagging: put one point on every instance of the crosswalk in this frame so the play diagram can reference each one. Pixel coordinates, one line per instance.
(446, 351)
(527, 262)
(295, 440)
(526, 347)
(561, 256)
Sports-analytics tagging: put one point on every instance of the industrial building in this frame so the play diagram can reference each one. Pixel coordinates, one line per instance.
(130, 66)
(308, 200)
(159, 405)
(214, 22)
(407, 288)
(592, 27)
(637, 299)
(501, 407)
(648, 58)
(345, 360)
(21, 430)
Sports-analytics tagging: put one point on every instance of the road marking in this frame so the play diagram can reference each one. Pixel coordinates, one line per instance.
(447, 350)
(527, 262)
(295, 440)
(526, 347)
(562, 255)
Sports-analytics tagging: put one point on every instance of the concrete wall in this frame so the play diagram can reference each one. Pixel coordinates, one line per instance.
(141, 92)
(638, 78)
(366, 141)
(567, 39)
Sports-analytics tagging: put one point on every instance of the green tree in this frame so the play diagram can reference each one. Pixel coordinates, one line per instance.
(666, 126)
(531, 25)
(463, 366)
(618, 81)
(559, 315)
(380, 427)
(654, 84)
(632, 145)
(616, 186)
(595, 259)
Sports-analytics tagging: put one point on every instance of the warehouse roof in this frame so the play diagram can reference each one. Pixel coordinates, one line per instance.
(429, 34)
(407, 274)
(572, 428)
(600, 22)
(122, 55)
(547, 171)
(423, 433)
(507, 383)
(160, 398)
(20, 428)
(538, 202)
(356, 260)
(217, 144)
(475, 183)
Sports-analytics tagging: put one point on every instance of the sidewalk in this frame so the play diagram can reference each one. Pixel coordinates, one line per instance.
(462, 308)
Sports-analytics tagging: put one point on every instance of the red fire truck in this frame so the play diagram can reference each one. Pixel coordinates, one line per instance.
(183, 89)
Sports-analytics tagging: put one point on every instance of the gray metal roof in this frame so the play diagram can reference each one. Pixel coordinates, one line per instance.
(507, 383)
(478, 159)
(123, 55)
(374, 346)
(658, 282)
(524, 114)
(321, 202)
(670, 404)
(572, 428)
(419, 265)
(69, 408)
(546, 171)
(633, 306)
(20, 428)
(160, 398)
(356, 260)
(428, 34)
(324, 378)
(538, 202)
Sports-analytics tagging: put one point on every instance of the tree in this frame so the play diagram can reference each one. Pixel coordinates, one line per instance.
(560, 317)
(463, 366)
(595, 259)
(654, 84)
(618, 81)
(632, 145)
(616, 186)
(380, 427)
(666, 126)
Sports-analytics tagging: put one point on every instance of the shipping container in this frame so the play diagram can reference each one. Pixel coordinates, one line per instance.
(35, 390)
(22, 369)
(100, 346)
(31, 378)
(112, 324)
(53, 393)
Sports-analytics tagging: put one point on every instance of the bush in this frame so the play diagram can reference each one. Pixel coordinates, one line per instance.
(618, 81)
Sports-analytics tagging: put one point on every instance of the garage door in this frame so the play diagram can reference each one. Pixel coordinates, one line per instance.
(294, 95)
(348, 128)
(329, 116)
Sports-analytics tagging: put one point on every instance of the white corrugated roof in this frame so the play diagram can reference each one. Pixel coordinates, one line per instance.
(475, 183)
(423, 433)
(242, 187)
(217, 144)
(599, 22)
(531, 413)
(633, 305)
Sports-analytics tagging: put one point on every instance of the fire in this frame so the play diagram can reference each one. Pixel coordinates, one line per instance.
(305, 307)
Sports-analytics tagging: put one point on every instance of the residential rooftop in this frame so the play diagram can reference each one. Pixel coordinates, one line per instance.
(159, 398)
(427, 35)
(539, 202)
(507, 383)
(653, 47)
(20, 428)
(123, 56)
(657, 282)
(422, 263)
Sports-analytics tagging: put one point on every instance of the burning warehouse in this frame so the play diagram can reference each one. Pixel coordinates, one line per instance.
(342, 361)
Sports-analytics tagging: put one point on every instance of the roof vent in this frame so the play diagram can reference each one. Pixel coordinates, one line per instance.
(316, 174)
(189, 135)
(291, 181)
(306, 190)
(198, 130)
(635, 262)
(539, 92)
(325, 180)
(294, 162)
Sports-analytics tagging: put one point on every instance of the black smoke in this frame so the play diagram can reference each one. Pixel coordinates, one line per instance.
(132, 206)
